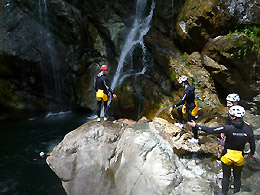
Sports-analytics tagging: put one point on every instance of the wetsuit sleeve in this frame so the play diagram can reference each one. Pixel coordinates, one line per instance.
(107, 85)
(182, 101)
(95, 84)
(251, 141)
(220, 129)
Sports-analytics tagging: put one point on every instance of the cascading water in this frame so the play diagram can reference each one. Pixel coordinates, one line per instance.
(50, 63)
(134, 39)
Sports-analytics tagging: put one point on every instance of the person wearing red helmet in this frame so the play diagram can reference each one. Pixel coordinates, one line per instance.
(102, 87)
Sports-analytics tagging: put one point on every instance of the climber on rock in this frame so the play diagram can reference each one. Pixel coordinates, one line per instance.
(237, 135)
(187, 104)
(232, 100)
(102, 87)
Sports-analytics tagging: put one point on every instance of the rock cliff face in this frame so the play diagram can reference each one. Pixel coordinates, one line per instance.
(127, 157)
(51, 50)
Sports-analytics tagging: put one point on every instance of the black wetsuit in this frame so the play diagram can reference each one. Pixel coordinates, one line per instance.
(228, 122)
(188, 99)
(101, 82)
(237, 135)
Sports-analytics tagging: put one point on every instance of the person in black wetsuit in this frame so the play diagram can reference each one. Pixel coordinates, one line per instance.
(42, 155)
(237, 135)
(232, 100)
(187, 104)
(102, 87)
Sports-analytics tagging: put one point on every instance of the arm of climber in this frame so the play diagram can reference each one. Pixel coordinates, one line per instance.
(182, 101)
(107, 85)
(251, 141)
(220, 129)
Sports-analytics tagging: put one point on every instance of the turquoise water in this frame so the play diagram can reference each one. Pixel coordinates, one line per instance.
(22, 171)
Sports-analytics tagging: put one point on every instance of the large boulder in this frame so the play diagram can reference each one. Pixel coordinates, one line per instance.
(233, 64)
(127, 157)
(114, 158)
(200, 21)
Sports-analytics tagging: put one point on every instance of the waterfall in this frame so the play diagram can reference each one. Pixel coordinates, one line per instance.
(50, 63)
(140, 27)
(43, 10)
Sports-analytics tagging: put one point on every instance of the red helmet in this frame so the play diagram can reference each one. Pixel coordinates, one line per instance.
(104, 67)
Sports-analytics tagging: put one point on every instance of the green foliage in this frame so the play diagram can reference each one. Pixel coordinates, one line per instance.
(242, 52)
(239, 52)
(173, 75)
(254, 34)
(245, 52)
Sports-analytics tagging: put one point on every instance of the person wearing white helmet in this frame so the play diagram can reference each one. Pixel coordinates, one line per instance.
(237, 135)
(232, 100)
(187, 104)
(42, 154)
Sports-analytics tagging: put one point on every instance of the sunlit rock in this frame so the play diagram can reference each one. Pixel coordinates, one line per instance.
(124, 157)
(230, 61)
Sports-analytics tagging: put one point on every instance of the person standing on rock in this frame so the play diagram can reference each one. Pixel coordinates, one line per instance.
(187, 104)
(237, 135)
(232, 100)
(102, 87)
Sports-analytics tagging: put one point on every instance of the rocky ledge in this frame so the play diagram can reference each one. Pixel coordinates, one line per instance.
(144, 157)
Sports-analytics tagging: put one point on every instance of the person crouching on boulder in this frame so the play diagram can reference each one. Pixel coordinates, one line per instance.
(187, 104)
(102, 87)
(237, 135)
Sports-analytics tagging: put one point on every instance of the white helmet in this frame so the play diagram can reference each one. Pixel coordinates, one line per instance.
(42, 153)
(183, 79)
(237, 111)
(233, 97)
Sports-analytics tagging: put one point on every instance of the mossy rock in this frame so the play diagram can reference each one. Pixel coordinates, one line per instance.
(135, 100)
(199, 21)
(234, 72)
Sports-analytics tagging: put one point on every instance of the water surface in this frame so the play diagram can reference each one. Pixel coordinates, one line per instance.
(22, 170)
